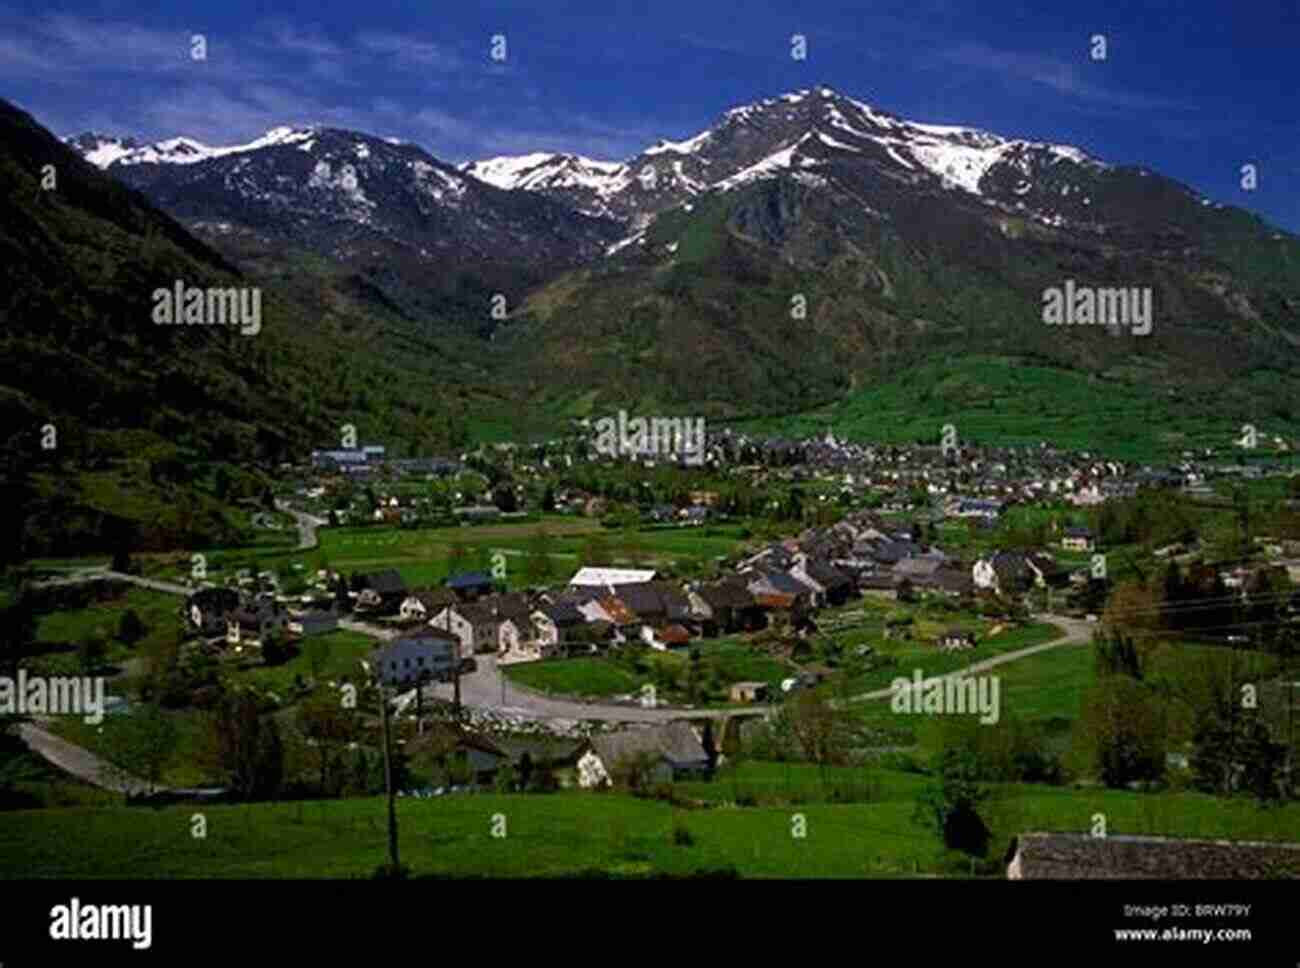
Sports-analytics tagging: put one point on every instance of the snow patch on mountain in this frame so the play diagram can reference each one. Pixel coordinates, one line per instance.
(638, 237)
(436, 183)
(187, 151)
(544, 170)
(769, 167)
(101, 151)
(832, 143)
(687, 147)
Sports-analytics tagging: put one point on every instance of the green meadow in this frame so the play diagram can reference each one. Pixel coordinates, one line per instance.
(542, 552)
(607, 834)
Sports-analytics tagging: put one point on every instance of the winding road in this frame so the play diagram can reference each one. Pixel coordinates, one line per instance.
(80, 762)
(484, 688)
(307, 525)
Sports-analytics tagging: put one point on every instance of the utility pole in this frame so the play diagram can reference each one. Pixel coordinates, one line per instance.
(393, 861)
(455, 680)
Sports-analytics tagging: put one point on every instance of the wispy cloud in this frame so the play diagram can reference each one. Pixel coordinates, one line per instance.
(411, 53)
(1064, 77)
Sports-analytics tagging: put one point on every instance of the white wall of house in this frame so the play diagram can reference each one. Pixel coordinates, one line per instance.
(413, 608)
(450, 620)
(547, 633)
(508, 637)
(591, 771)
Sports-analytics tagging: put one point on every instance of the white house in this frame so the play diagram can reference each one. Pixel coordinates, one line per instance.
(546, 633)
(474, 626)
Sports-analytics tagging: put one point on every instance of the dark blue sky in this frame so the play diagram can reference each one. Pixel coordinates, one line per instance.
(1192, 89)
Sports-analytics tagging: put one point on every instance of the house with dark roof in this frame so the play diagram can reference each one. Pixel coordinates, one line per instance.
(768, 585)
(207, 609)
(554, 623)
(469, 585)
(536, 761)
(1078, 539)
(728, 606)
(513, 614)
(472, 623)
(671, 752)
(422, 605)
(1077, 856)
(381, 591)
(314, 622)
(255, 622)
(837, 587)
(676, 604)
(643, 600)
(406, 661)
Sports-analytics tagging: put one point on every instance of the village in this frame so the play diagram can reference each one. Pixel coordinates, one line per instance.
(910, 531)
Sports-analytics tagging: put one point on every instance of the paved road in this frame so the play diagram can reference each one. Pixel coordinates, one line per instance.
(483, 688)
(94, 574)
(365, 628)
(307, 525)
(80, 762)
(1077, 632)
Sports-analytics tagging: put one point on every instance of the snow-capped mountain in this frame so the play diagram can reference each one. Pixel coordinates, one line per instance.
(357, 198)
(806, 131)
(107, 152)
(101, 150)
(584, 183)
(811, 134)
(514, 221)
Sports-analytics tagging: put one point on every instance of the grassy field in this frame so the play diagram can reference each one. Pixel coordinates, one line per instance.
(912, 655)
(572, 832)
(722, 662)
(1048, 690)
(340, 654)
(183, 768)
(424, 556)
(1013, 402)
(157, 610)
(587, 676)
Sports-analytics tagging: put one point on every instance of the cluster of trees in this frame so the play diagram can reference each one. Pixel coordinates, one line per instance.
(1196, 600)
(1153, 516)
(319, 751)
(1130, 715)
